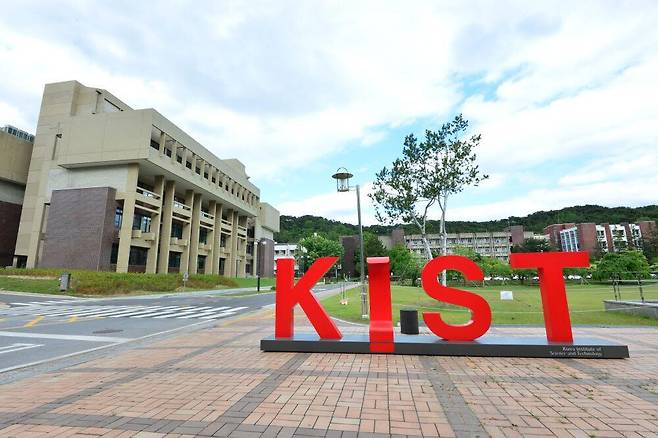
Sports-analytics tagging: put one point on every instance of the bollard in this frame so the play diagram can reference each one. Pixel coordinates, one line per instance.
(409, 321)
(64, 281)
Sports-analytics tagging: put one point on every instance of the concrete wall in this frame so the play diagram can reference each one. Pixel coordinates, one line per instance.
(15, 160)
(80, 229)
(268, 217)
(11, 192)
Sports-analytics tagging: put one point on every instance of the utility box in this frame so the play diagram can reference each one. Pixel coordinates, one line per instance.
(64, 281)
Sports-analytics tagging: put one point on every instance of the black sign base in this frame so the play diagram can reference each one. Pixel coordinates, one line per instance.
(490, 346)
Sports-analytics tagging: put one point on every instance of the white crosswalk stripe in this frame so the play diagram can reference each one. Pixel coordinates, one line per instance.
(55, 309)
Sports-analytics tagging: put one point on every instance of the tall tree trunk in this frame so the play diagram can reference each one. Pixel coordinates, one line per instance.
(444, 236)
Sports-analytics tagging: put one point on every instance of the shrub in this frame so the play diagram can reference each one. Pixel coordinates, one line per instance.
(105, 283)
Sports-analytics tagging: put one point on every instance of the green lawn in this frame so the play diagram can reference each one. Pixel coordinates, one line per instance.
(29, 285)
(252, 282)
(585, 305)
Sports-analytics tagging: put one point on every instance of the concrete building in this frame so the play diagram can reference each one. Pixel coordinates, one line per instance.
(489, 244)
(286, 251)
(113, 188)
(15, 150)
(599, 238)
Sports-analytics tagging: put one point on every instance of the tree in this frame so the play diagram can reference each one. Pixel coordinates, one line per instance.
(314, 247)
(405, 265)
(372, 247)
(493, 267)
(533, 244)
(428, 173)
(467, 252)
(626, 265)
(650, 247)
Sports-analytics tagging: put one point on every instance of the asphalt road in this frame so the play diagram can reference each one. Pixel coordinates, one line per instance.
(36, 329)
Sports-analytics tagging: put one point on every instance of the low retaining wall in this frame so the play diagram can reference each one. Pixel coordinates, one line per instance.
(647, 309)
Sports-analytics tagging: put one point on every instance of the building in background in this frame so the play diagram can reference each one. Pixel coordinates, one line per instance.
(286, 251)
(599, 238)
(15, 153)
(113, 188)
(496, 244)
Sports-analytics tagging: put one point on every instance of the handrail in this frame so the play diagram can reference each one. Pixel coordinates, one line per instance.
(207, 215)
(182, 206)
(144, 192)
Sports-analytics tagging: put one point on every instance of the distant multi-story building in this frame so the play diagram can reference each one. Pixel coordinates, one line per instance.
(598, 238)
(496, 244)
(285, 251)
(114, 188)
(489, 244)
(15, 153)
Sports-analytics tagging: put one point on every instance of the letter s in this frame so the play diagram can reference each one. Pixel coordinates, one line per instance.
(480, 310)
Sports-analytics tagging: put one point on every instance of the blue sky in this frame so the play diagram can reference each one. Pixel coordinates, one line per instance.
(563, 93)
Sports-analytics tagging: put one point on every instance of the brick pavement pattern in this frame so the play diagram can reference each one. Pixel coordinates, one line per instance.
(217, 382)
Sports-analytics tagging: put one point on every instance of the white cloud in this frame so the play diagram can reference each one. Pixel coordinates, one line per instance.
(283, 84)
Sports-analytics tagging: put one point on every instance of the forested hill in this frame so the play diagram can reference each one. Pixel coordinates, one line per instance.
(294, 228)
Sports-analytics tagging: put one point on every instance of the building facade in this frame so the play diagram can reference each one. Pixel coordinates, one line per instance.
(15, 150)
(113, 188)
(496, 244)
(599, 238)
(286, 251)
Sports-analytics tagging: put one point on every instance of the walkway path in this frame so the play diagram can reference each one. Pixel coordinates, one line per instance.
(216, 382)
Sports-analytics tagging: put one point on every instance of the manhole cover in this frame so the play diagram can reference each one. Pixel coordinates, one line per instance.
(106, 331)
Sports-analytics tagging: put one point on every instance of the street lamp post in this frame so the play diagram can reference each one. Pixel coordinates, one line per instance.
(342, 177)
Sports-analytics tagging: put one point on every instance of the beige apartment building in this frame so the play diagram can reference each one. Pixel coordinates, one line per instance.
(496, 244)
(114, 188)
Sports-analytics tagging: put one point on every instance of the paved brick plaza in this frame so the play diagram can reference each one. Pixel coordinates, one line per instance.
(217, 383)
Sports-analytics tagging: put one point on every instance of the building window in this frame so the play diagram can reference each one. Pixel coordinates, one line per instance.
(176, 229)
(138, 256)
(222, 240)
(114, 255)
(118, 217)
(155, 145)
(222, 266)
(203, 236)
(174, 259)
(201, 263)
(142, 222)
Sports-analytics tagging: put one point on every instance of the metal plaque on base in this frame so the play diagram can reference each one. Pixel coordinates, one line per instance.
(489, 346)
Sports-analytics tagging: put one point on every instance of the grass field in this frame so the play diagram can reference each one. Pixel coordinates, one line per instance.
(585, 305)
(112, 283)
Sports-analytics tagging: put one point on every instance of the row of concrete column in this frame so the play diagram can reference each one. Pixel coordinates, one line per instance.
(221, 180)
(162, 219)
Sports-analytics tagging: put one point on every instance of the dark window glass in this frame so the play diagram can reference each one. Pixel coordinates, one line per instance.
(138, 256)
(142, 222)
(174, 259)
(118, 217)
(114, 254)
(201, 263)
(222, 241)
(177, 230)
(155, 145)
(203, 236)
